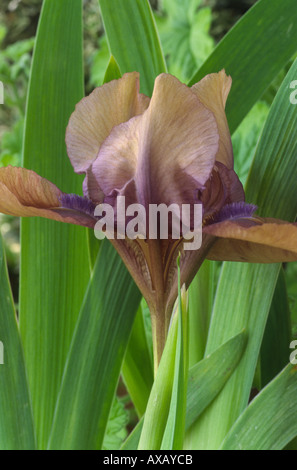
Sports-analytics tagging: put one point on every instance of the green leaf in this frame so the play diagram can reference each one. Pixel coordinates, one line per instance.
(275, 345)
(99, 62)
(245, 139)
(253, 52)
(116, 426)
(270, 421)
(133, 39)
(184, 36)
(158, 406)
(54, 259)
(132, 441)
(16, 423)
(137, 370)
(181, 10)
(245, 291)
(113, 71)
(205, 381)
(208, 377)
(201, 296)
(95, 357)
(173, 436)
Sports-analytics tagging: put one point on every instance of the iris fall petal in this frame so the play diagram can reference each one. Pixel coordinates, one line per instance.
(24, 193)
(256, 240)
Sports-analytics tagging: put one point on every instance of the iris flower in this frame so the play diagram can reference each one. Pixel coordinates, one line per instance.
(174, 148)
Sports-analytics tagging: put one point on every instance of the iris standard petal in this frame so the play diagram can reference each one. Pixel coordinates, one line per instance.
(95, 116)
(255, 240)
(213, 92)
(174, 142)
(23, 193)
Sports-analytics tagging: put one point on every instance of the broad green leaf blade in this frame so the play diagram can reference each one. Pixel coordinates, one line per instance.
(201, 296)
(270, 421)
(16, 423)
(137, 370)
(133, 39)
(113, 71)
(132, 441)
(54, 257)
(95, 357)
(253, 52)
(208, 377)
(158, 406)
(275, 346)
(205, 381)
(245, 291)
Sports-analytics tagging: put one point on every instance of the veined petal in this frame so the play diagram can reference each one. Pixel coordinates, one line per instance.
(95, 116)
(223, 187)
(116, 163)
(23, 193)
(213, 92)
(190, 262)
(256, 240)
(174, 142)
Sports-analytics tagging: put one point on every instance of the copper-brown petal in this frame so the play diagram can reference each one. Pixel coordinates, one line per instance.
(256, 240)
(95, 116)
(24, 193)
(213, 92)
(223, 187)
(174, 142)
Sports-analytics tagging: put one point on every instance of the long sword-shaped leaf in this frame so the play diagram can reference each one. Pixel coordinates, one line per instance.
(201, 295)
(275, 346)
(16, 423)
(54, 260)
(96, 355)
(205, 380)
(133, 39)
(137, 370)
(245, 291)
(270, 421)
(208, 377)
(158, 406)
(253, 52)
(173, 437)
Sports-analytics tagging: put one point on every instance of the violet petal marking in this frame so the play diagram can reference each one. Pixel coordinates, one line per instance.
(77, 203)
(236, 210)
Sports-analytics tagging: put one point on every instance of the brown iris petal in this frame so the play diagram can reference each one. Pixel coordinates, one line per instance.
(222, 188)
(213, 92)
(96, 115)
(24, 193)
(254, 240)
